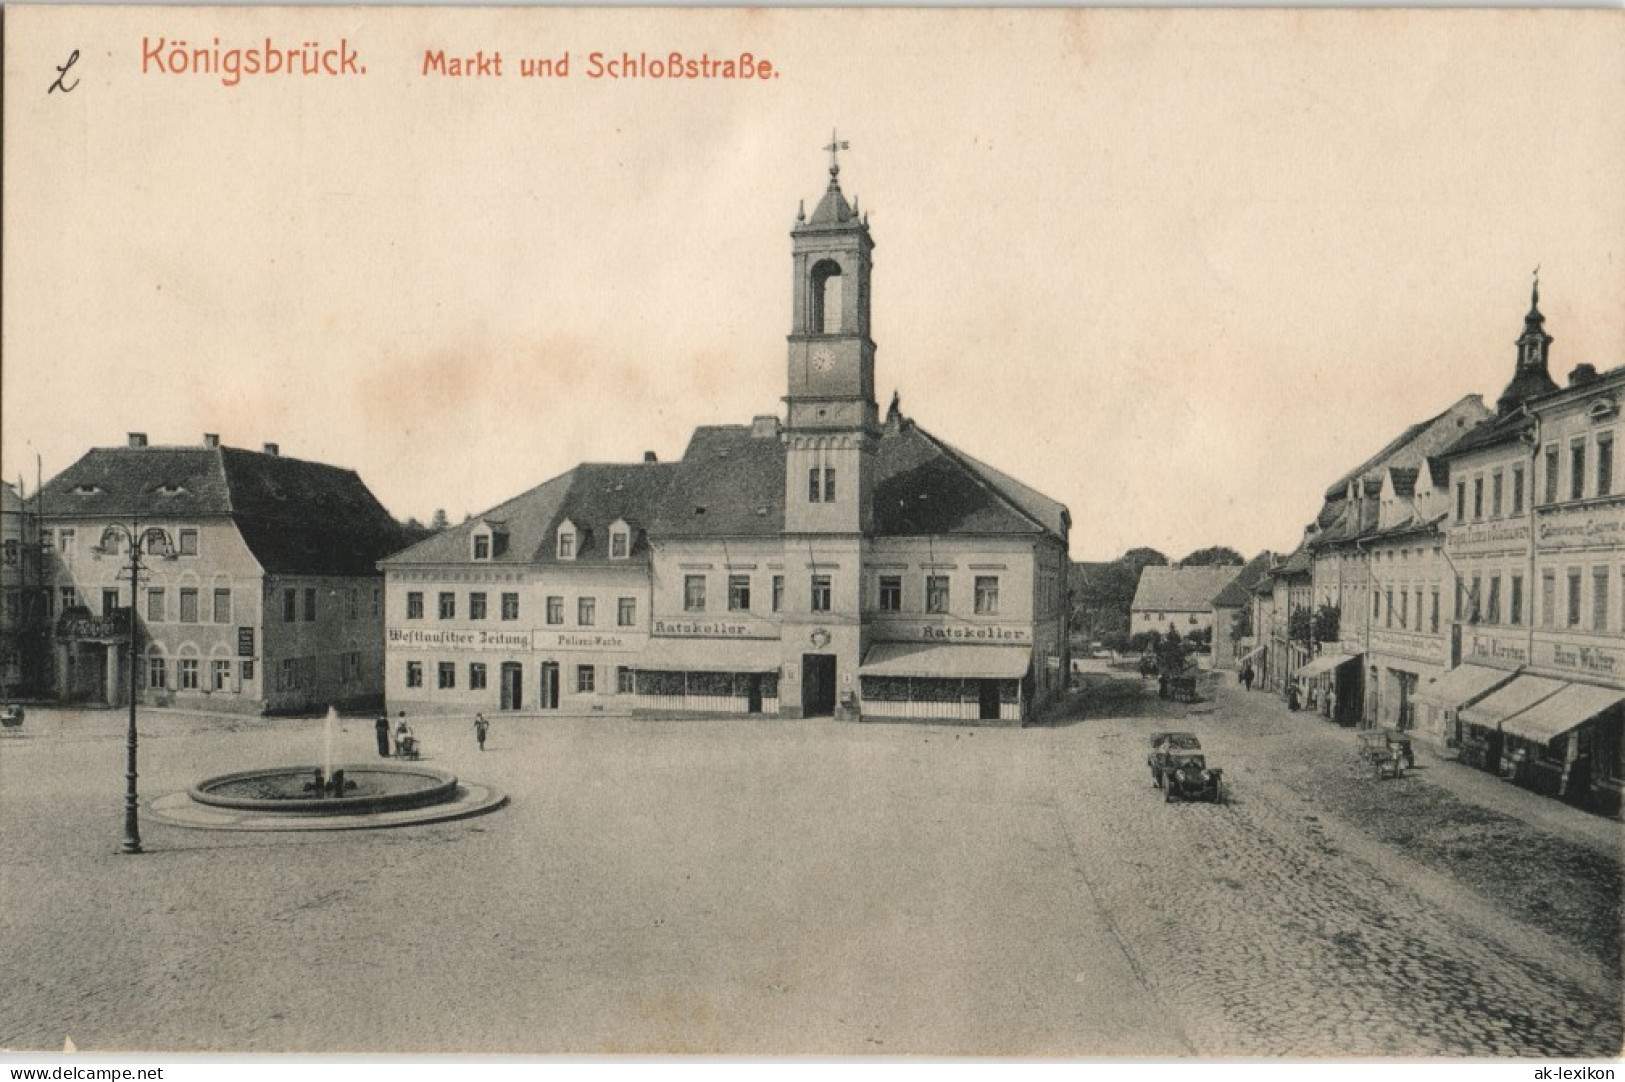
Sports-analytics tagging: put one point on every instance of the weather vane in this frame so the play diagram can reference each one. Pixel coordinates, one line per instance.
(836, 145)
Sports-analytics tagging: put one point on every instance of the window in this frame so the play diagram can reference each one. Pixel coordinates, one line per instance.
(1492, 611)
(13, 550)
(814, 489)
(626, 612)
(447, 671)
(738, 593)
(186, 671)
(586, 679)
(987, 595)
(157, 673)
(188, 542)
(1599, 598)
(290, 605)
(1475, 600)
(414, 606)
(1495, 494)
(448, 606)
(1404, 608)
(567, 544)
(820, 593)
(64, 542)
(219, 674)
(375, 596)
(891, 593)
(618, 545)
(1388, 603)
(188, 605)
(248, 668)
(1515, 600)
(1478, 498)
(414, 674)
(778, 593)
(310, 603)
(1376, 605)
(1517, 490)
(1605, 463)
(829, 485)
(1551, 473)
(1577, 470)
(482, 546)
(624, 684)
(1574, 597)
(476, 675)
(693, 593)
(476, 606)
(510, 606)
(1461, 501)
(155, 605)
(109, 602)
(936, 593)
(555, 610)
(1433, 612)
(353, 608)
(1548, 597)
(586, 611)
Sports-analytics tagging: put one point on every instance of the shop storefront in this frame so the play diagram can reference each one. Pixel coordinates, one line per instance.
(1567, 746)
(714, 676)
(946, 682)
(1443, 698)
(1482, 742)
(1330, 686)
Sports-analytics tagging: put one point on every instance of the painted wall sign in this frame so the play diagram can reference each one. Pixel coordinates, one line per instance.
(1580, 658)
(1492, 535)
(453, 639)
(1421, 647)
(1558, 529)
(719, 628)
(606, 642)
(1498, 650)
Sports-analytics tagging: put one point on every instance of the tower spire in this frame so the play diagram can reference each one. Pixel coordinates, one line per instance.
(835, 146)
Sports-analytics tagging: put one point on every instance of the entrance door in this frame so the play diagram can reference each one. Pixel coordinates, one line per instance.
(513, 685)
(989, 700)
(754, 692)
(550, 685)
(817, 685)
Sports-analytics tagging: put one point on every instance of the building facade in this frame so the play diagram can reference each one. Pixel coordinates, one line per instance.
(1178, 597)
(258, 592)
(830, 563)
(25, 631)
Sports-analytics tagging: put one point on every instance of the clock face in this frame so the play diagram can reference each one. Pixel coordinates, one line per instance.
(822, 359)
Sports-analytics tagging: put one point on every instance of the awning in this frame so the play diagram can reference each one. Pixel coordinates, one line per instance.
(1515, 698)
(1462, 685)
(1573, 706)
(950, 661)
(1254, 652)
(710, 655)
(1325, 663)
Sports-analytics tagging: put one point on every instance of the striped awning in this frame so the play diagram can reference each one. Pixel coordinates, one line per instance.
(1462, 685)
(1326, 663)
(1575, 705)
(1515, 698)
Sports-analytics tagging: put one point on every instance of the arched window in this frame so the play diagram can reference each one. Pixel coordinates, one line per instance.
(826, 298)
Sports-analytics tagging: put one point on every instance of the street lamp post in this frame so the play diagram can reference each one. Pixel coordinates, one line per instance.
(155, 542)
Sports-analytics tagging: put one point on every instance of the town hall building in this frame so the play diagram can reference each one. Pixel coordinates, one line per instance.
(832, 562)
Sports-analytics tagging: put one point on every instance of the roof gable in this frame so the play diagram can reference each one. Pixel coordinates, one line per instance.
(1181, 589)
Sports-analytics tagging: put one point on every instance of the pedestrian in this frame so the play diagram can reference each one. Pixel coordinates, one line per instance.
(382, 725)
(1247, 677)
(480, 725)
(403, 737)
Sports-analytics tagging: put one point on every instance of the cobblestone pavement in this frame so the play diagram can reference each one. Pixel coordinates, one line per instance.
(1284, 922)
(759, 887)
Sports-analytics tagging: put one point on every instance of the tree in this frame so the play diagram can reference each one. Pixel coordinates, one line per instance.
(1214, 556)
(1326, 623)
(1141, 558)
(1300, 627)
(440, 521)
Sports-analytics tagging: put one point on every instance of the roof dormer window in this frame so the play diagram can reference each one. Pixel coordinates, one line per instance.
(87, 490)
(169, 488)
(567, 540)
(620, 540)
(1603, 409)
(482, 546)
(488, 539)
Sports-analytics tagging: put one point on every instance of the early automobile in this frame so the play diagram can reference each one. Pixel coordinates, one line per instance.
(1188, 777)
(11, 715)
(1164, 746)
(1387, 752)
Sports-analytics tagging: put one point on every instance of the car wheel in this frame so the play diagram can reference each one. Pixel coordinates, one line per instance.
(1167, 792)
(1156, 778)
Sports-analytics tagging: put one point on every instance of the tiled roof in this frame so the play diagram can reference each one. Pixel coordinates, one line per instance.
(1499, 431)
(297, 517)
(1181, 589)
(592, 497)
(730, 483)
(1235, 595)
(1412, 446)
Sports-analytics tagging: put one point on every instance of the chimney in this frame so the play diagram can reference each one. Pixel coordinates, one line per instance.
(1582, 374)
(650, 456)
(138, 439)
(272, 449)
(211, 440)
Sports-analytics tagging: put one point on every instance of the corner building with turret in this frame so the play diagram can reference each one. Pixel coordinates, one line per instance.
(832, 562)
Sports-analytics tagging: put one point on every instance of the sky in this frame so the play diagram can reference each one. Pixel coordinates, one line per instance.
(1179, 270)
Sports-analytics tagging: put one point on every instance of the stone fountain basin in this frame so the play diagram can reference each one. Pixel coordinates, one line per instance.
(281, 789)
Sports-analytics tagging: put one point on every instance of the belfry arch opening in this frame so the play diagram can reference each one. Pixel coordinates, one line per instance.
(827, 307)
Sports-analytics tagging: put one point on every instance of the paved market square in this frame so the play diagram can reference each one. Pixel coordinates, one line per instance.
(752, 886)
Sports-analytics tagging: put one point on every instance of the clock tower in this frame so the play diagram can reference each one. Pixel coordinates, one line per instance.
(832, 419)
